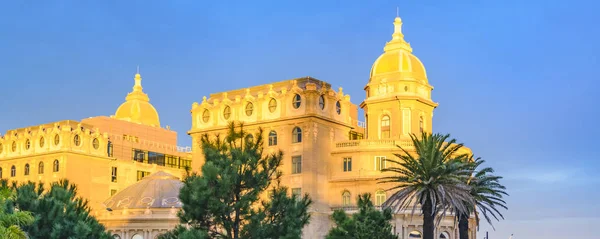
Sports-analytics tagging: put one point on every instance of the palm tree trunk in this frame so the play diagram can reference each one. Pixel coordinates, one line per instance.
(463, 226)
(428, 220)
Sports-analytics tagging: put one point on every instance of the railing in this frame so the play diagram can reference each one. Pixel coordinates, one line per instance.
(182, 149)
(379, 142)
(361, 124)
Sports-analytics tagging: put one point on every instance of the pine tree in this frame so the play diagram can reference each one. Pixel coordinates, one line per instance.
(367, 223)
(224, 201)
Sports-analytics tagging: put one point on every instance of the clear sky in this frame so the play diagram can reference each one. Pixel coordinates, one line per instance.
(516, 80)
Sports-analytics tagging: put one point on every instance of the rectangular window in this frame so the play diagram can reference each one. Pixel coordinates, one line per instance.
(142, 174)
(113, 192)
(297, 192)
(380, 162)
(347, 164)
(296, 164)
(139, 155)
(113, 175)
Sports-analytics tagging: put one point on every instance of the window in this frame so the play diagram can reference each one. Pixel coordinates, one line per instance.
(14, 146)
(338, 107)
(249, 138)
(42, 142)
(77, 140)
(296, 164)
(55, 166)
(385, 127)
(379, 197)
(347, 164)
(322, 102)
(26, 169)
(444, 235)
(13, 171)
(205, 116)
(139, 155)
(353, 135)
(272, 105)
(109, 149)
(0, 172)
(112, 193)
(296, 135)
(226, 112)
(142, 174)
(297, 192)
(96, 143)
(249, 108)
(113, 174)
(379, 163)
(41, 168)
(297, 101)
(137, 236)
(56, 139)
(1, 148)
(346, 198)
(27, 144)
(156, 158)
(414, 235)
(272, 138)
(421, 124)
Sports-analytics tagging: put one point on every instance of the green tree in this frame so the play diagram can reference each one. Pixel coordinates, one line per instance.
(367, 223)
(12, 220)
(433, 177)
(58, 212)
(224, 202)
(487, 193)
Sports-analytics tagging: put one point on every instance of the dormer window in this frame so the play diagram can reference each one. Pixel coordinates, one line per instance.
(249, 109)
(297, 101)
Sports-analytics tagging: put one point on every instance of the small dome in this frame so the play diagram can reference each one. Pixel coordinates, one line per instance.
(158, 190)
(137, 107)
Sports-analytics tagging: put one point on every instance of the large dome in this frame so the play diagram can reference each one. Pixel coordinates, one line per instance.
(158, 190)
(137, 107)
(397, 60)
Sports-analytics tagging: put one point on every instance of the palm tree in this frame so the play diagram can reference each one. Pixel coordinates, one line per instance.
(12, 220)
(487, 193)
(433, 176)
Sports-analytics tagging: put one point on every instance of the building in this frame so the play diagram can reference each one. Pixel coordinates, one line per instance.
(101, 155)
(329, 153)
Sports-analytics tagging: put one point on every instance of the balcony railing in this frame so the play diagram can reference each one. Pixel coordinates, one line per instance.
(379, 142)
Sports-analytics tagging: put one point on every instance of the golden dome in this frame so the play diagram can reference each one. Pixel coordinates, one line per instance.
(137, 107)
(158, 190)
(398, 59)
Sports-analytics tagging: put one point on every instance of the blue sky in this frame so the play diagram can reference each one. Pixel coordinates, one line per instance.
(516, 80)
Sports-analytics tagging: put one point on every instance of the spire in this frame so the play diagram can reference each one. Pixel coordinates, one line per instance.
(138, 81)
(137, 92)
(397, 41)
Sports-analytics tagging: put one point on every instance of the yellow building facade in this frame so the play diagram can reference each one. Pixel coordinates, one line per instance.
(328, 152)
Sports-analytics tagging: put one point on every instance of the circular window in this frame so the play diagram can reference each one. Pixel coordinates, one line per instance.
(27, 144)
(42, 142)
(249, 109)
(226, 112)
(96, 143)
(322, 102)
(272, 105)
(14, 146)
(205, 116)
(56, 139)
(77, 140)
(297, 101)
(338, 107)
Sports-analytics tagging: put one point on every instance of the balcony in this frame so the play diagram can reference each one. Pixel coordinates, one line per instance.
(378, 143)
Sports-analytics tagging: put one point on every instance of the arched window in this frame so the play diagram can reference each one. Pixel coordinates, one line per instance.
(205, 116)
(272, 138)
(272, 105)
(109, 149)
(42, 142)
(27, 144)
(444, 235)
(296, 135)
(0, 172)
(55, 166)
(379, 197)
(415, 235)
(346, 198)
(226, 112)
(322, 102)
(385, 127)
(137, 236)
(116, 236)
(297, 101)
(338, 107)
(13, 171)
(249, 108)
(421, 124)
(41, 168)
(1, 148)
(26, 169)
(249, 138)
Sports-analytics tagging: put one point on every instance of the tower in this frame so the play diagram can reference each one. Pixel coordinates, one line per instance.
(398, 95)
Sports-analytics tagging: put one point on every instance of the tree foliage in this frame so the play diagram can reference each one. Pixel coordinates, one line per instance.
(58, 212)
(433, 178)
(224, 200)
(367, 223)
(12, 220)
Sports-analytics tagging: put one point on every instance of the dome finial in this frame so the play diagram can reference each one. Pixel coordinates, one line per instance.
(138, 80)
(397, 41)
